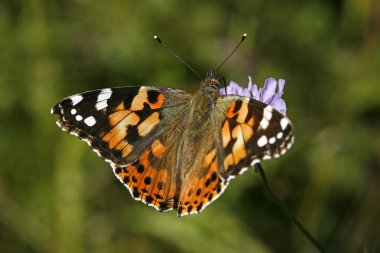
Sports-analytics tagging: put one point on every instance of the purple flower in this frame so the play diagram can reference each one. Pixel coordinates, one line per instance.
(267, 94)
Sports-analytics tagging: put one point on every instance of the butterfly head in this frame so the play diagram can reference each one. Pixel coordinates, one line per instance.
(210, 85)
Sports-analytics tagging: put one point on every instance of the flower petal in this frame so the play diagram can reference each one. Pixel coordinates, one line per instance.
(279, 104)
(268, 90)
(255, 92)
(267, 94)
(253, 89)
(231, 89)
(245, 93)
(281, 85)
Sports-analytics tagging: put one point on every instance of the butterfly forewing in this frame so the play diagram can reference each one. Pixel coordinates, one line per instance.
(120, 123)
(250, 132)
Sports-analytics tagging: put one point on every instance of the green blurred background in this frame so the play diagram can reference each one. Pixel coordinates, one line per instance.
(56, 195)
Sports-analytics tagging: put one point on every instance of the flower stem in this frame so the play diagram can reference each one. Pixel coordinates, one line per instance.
(286, 210)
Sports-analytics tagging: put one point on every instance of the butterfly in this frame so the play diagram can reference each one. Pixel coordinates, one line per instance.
(173, 149)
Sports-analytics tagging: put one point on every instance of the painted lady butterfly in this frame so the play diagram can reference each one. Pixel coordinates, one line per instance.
(172, 149)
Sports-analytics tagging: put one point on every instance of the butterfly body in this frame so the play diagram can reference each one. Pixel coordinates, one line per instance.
(171, 149)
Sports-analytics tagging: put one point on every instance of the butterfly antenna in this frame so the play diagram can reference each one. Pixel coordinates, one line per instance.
(176, 56)
(229, 56)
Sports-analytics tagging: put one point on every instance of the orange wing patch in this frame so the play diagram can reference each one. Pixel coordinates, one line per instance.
(238, 149)
(158, 149)
(148, 124)
(240, 109)
(228, 161)
(125, 147)
(118, 133)
(118, 116)
(237, 130)
(226, 134)
(242, 112)
(143, 98)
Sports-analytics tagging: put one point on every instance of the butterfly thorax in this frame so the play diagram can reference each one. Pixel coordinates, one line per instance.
(202, 104)
(204, 100)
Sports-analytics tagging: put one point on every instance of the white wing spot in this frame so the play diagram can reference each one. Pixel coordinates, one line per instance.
(280, 135)
(101, 105)
(73, 111)
(272, 140)
(268, 112)
(262, 141)
(264, 123)
(103, 97)
(76, 99)
(90, 121)
(104, 94)
(284, 123)
(78, 118)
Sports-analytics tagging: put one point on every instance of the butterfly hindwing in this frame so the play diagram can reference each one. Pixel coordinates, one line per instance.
(151, 178)
(203, 188)
(120, 123)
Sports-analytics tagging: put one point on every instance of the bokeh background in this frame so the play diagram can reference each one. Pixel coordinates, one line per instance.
(56, 195)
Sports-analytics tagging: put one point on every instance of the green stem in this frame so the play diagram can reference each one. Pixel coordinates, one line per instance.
(286, 210)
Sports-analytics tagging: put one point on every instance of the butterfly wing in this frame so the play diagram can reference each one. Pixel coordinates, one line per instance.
(244, 131)
(135, 129)
(152, 178)
(120, 123)
(251, 131)
(203, 186)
